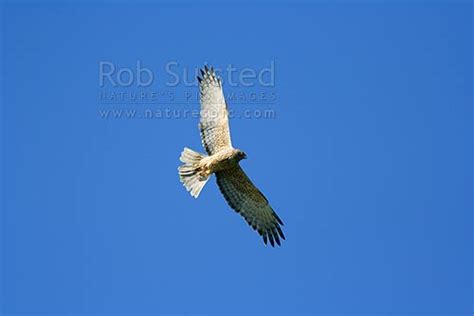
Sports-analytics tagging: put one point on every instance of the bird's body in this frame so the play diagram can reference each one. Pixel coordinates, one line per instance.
(223, 161)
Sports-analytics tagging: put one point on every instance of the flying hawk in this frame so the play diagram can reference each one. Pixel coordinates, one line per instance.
(223, 160)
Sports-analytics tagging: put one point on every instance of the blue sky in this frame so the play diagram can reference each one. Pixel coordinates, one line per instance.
(368, 161)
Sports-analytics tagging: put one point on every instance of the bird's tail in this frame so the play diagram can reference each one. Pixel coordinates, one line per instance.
(189, 171)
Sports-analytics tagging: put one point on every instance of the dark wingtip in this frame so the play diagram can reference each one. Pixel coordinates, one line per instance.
(272, 242)
(275, 235)
(205, 67)
(199, 79)
(280, 232)
(202, 72)
(278, 219)
(277, 240)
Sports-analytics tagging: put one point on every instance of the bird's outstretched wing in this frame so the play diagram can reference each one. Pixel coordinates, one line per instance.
(246, 199)
(214, 122)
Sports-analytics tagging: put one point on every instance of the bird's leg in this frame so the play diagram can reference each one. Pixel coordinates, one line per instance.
(204, 174)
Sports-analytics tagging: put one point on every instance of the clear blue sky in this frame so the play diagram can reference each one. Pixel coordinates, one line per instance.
(368, 161)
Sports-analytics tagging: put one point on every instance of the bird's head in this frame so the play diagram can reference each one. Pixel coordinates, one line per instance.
(239, 154)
